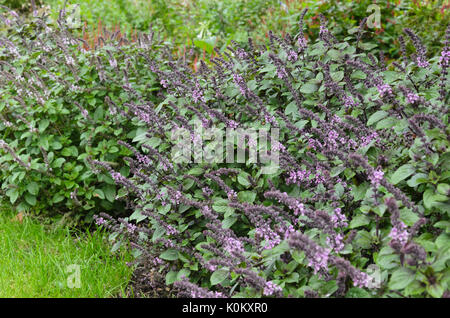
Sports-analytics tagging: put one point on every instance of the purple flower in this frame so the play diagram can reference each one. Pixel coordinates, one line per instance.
(239, 81)
(365, 140)
(349, 102)
(277, 146)
(232, 246)
(232, 124)
(297, 176)
(336, 242)
(99, 220)
(421, 62)
(281, 73)
(292, 56)
(241, 53)
(194, 291)
(113, 62)
(131, 228)
(207, 191)
(231, 194)
(271, 289)
(376, 177)
(412, 98)
(302, 42)
(399, 233)
(164, 83)
(339, 219)
(318, 256)
(384, 89)
(319, 259)
(444, 60)
(117, 177)
(269, 118)
(197, 94)
(145, 160)
(271, 238)
(361, 280)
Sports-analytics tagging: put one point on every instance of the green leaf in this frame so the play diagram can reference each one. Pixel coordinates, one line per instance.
(417, 179)
(436, 290)
(401, 278)
(408, 217)
(387, 123)
(99, 194)
(402, 173)
(298, 256)
(58, 163)
(98, 115)
(308, 88)
(359, 192)
(110, 192)
(358, 75)
(158, 233)
(31, 199)
(116, 246)
(171, 277)
(334, 54)
(33, 188)
(367, 46)
(219, 276)
(57, 198)
(443, 188)
(291, 108)
(247, 196)
(377, 116)
(43, 124)
(153, 142)
(195, 171)
(243, 179)
(169, 255)
(56, 145)
(183, 273)
(356, 292)
(13, 194)
(337, 76)
(228, 222)
(388, 261)
(431, 199)
(359, 220)
(443, 241)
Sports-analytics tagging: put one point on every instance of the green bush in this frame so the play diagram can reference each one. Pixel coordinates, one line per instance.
(362, 188)
(363, 178)
(209, 23)
(54, 116)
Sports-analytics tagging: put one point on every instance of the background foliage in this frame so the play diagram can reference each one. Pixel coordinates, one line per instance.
(364, 178)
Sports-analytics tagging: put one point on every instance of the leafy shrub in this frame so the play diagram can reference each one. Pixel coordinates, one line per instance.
(425, 17)
(56, 112)
(363, 182)
(209, 23)
(21, 5)
(363, 176)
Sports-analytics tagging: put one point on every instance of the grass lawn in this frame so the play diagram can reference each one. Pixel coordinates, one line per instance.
(38, 260)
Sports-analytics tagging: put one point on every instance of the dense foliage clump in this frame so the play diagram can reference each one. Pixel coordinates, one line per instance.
(56, 110)
(358, 207)
(363, 183)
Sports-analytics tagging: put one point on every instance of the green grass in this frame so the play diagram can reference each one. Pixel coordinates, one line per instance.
(35, 258)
